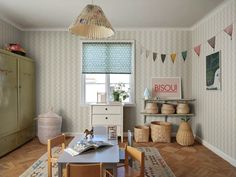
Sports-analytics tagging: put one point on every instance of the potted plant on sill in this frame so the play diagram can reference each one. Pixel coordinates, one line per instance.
(119, 94)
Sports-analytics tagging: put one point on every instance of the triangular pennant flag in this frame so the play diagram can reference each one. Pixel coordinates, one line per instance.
(147, 53)
(154, 56)
(197, 50)
(229, 30)
(212, 42)
(163, 57)
(173, 57)
(184, 55)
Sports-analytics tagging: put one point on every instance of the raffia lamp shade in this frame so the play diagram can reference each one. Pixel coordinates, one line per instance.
(92, 24)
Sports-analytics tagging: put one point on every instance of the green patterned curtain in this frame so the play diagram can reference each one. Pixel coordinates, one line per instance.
(107, 58)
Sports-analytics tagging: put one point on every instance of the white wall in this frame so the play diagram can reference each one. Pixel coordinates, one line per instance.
(8, 34)
(215, 110)
(57, 56)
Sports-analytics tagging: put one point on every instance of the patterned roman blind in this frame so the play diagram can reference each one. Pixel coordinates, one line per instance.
(107, 58)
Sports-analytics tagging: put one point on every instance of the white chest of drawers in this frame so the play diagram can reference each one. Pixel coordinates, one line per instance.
(107, 114)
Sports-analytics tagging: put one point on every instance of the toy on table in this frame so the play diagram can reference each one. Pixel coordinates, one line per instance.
(88, 134)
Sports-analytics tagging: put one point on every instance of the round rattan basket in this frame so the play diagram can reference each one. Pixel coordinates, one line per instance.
(167, 109)
(161, 131)
(185, 135)
(151, 108)
(182, 108)
(141, 133)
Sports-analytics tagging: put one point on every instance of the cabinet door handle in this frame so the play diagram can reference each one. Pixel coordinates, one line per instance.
(106, 109)
(106, 117)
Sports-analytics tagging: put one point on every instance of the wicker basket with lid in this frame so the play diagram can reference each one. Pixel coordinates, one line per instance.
(167, 109)
(182, 108)
(151, 108)
(49, 126)
(184, 135)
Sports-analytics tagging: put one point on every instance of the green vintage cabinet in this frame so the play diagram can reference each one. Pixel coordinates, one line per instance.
(8, 94)
(17, 101)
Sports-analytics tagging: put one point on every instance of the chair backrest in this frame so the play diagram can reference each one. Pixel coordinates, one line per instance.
(137, 155)
(57, 141)
(84, 170)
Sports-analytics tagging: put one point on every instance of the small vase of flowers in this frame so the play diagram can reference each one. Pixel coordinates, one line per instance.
(119, 94)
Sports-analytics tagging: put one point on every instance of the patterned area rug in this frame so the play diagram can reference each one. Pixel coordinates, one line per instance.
(40, 167)
(155, 166)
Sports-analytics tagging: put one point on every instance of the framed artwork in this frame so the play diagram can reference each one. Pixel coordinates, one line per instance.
(166, 88)
(213, 72)
(112, 132)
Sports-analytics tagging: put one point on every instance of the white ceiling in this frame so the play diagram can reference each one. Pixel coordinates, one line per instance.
(45, 14)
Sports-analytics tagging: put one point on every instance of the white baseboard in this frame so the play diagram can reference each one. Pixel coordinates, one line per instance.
(216, 151)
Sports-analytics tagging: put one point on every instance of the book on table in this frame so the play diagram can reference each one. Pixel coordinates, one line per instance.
(84, 146)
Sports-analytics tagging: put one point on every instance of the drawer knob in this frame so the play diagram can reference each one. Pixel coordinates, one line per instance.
(106, 117)
(106, 109)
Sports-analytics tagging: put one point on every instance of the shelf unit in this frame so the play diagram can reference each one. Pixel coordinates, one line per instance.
(184, 100)
(161, 101)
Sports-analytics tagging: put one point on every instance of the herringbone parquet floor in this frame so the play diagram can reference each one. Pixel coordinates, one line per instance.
(195, 161)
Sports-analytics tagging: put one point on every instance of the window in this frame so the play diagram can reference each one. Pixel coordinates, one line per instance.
(104, 65)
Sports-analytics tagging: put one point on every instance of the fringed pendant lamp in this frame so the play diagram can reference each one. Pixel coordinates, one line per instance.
(92, 24)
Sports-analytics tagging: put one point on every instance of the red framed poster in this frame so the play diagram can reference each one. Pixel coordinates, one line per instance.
(166, 87)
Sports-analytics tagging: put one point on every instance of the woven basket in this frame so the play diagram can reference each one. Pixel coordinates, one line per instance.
(182, 108)
(141, 133)
(161, 131)
(151, 108)
(185, 135)
(167, 109)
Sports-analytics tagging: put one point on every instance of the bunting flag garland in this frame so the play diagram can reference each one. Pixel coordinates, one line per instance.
(163, 57)
(212, 42)
(147, 53)
(173, 57)
(184, 55)
(229, 30)
(197, 50)
(154, 56)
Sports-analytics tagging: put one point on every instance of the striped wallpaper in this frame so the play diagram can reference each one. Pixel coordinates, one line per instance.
(57, 56)
(215, 120)
(8, 34)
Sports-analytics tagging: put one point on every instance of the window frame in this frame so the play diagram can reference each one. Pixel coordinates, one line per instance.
(107, 76)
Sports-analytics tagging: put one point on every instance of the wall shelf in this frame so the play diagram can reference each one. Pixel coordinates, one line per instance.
(184, 100)
(169, 115)
(165, 115)
(170, 100)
